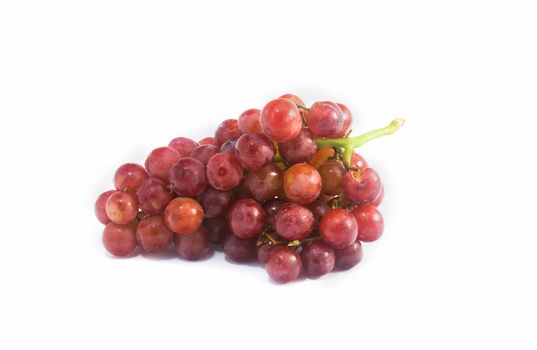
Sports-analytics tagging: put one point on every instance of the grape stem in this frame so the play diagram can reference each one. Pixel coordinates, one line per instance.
(349, 144)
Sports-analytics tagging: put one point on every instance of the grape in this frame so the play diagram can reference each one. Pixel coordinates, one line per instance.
(377, 202)
(318, 209)
(338, 228)
(370, 221)
(204, 153)
(318, 259)
(362, 186)
(193, 246)
(229, 146)
(119, 240)
(229, 129)
(224, 171)
(349, 257)
(183, 215)
(254, 150)
(358, 161)
(332, 172)
(302, 183)
(153, 235)
(129, 177)
(122, 207)
(249, 121)
(217, 229)
(293, 98)
(293, 222)
(183, 145)
(188, 177)
(160, 160)
(263, 251)
(246, 218)
(153, 196)
(325, 119)
(264, 184)
(281, 120)
(347, 121)
(283, 264)
(215, 203)
(100, 207)
(301, 149)
(271, 208)
(208, 141)
(238, 249)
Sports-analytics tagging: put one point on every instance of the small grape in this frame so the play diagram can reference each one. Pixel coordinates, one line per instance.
(193, 246)
(119, 240)
(264, 184)
(281, 120)
(160, 160)
(153, 234)
(215, 203)
(229, 129)
(377, 202)
(204, 153)
(254, 150)
(129, 177)
(318, 259)
(293, 98)
(325, 119)
(249, 121)
(347, 120)
(349, 257)
(100, 207)
(208, 141)
(338, 228)
(271, 208)
(301, 149)
(263, 251)
(332, 172)
(122, 207)
(358, 161)
(183, 145)
(183, 215)
(153, 196)
(188, 177)
(283, 264)
(370, 221)
(246, 218)
(293, 222)
(217, 229)
(229, 146)
(224, 171)
(238, 249)
(302, 183)
(362, 186)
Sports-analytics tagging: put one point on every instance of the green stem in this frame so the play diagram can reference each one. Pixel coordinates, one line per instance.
(349, 144)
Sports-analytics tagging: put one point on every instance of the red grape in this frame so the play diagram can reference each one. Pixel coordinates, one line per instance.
(293, 98)
(283, 264)
(246, 218)
(100, 207)
(122, 207)
(281, 120)
(263, 251)
(318, 209)
(362, 186)
(347, 120)
(338, 228)
(224, 171)
(204, 153)
(193, 246)
(301, 149)
(349, 257)
(119, 240)
(153, 196)
(249, 121)
(325, 119)
(332, 172)
(238, 249)
(188, 177)
(229, 129)
(183, 145)
(208, 141)
(129, 177)
(302, 183)
(160, 160)
(215, 203)
(358, 161)
(229, 146)
(370, 221)
(254, 150)
(264, 184)
(183, 215)
(153, 234)
(271, 208)
(377, 202)
(217, 229)
(318, 259)
(293, 221)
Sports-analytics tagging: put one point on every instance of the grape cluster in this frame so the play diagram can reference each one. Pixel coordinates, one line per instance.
(282, 184)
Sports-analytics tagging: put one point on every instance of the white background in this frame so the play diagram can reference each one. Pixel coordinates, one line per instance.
(88, 85)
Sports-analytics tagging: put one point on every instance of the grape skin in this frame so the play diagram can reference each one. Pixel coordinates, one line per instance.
(153, 235)
(122, 207)
(160, 160)
(120, 240)
(100, 207)
(302, 183)
(283, 265)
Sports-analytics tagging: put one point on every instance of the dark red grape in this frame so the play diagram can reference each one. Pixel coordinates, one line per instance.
(263, 251)
(302, 183)
(264, 184)
(204, 153)
(122, 207)
(283, 264)
(349, 257)
(229, 129)
(224, 171)
(318, 259)
(281, 120)
(332, 172)
(153, 235)
(246, 218)
(347, 121)
(217, 229)
(370, 221)
(362, 186)
(208, 141)
(160, 160)
(229, 146)
(293, 222)
(129, 177)
(188, 177)
(153, 196)
(100, 207)
(318, 209)
(271, 208)
(377, 202)
(183, 215)
(119, 240)
(193, 246)
(183, 145)
(325, 119)
(215, 203)
(238, 249)
(338, 228)
(301, 149)
(249, 121)
(254, 150)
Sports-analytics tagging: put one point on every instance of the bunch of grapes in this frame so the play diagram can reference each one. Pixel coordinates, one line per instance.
(282, 185)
